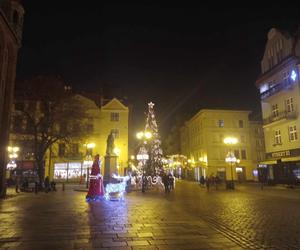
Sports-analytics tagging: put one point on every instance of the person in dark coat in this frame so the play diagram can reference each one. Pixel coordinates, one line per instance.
(207, 182)
(165, 180)
(47, 184)
(171, 181)
(202, 181)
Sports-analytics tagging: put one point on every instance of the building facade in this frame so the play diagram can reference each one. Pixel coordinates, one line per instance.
(280, 99)
(202, 141)
(11, 25)
(71, 162)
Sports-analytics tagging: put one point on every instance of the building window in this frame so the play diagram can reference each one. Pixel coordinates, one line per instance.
(74, 149)
(237, 153)
(61, 149)
(221, 138)
(243, 154)
(277, 137)
(114, 117)
(293, 133)
(289, 104)
(116, 132)
(89, 151)
(241, 123)
(243, 140)
(275, 110)
(221, 123)
(258, 143)
(90, 128)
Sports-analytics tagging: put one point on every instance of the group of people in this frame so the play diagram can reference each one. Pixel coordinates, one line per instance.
(25, 185)
(210, 181)
(168, 181)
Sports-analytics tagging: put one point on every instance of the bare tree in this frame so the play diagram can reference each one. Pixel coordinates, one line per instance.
(51, 113)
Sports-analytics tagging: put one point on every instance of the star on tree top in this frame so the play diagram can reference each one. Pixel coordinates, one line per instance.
(151, 105)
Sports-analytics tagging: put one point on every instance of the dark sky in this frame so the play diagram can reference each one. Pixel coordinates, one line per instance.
(181, 57)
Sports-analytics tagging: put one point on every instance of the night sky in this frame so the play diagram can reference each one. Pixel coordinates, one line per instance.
(182, 58)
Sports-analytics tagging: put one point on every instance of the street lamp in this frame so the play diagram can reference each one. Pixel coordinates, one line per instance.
(89, 160)
(143, 155)
(230, 157)
(12, 155)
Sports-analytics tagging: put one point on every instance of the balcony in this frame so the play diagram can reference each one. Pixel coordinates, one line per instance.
(281, 116)
(288, 84)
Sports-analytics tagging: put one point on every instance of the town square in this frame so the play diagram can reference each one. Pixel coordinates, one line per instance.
(149, 126)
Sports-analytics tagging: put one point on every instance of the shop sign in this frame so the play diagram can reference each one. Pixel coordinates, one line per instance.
(284, 153)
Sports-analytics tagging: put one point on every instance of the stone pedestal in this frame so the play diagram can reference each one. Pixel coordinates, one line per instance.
(110, 168)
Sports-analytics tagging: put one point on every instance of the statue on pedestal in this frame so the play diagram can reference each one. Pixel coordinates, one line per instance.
(110, 145)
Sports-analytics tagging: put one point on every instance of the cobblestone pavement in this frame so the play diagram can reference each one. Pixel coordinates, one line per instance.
(189, 218)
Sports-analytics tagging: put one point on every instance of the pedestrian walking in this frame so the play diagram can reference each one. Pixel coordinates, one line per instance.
(36, 187)
(207, 182)
(17, 180)
(171, 181)
(165, 180)
(53, 185)
(144, 183)
(217, 181)
(202, 181)
(47, 184)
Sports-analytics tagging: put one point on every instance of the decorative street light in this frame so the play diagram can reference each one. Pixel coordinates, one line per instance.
(89, 160)
(230, 157)
(143, 155)
(12, 155)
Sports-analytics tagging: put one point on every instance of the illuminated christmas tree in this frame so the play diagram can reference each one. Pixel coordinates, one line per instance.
(154, 164)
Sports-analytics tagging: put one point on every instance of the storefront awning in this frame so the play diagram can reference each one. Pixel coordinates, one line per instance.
(297, 158)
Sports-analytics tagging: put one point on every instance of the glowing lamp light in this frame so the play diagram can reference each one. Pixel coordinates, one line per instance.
(132, 157)
(293, 75)
(11, 165)
(231, 159)
(117, 151)
(142, 157)
(139, 135)
(90, 145)
(13, 149)
(230, 140)
(148, 135)
(13, 156)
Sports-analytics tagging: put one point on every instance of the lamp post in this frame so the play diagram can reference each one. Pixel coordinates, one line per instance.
(89, 153)
(230, 157)
(12, 155)
(143, 154)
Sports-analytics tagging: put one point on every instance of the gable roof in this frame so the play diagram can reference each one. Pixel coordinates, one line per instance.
(114, 104)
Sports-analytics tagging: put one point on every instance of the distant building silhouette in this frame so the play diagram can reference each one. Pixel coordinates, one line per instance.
(11, 25)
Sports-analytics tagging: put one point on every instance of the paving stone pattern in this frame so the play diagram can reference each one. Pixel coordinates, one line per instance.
(188, 218)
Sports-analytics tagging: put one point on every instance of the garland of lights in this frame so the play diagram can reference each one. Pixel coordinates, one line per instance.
(115, 191)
